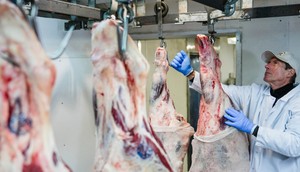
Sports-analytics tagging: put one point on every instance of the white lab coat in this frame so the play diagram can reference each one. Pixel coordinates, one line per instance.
(277, 145)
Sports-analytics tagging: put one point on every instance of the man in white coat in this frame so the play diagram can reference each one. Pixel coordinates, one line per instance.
(269, 113)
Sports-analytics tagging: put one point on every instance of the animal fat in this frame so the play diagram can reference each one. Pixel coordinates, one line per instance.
(26, 136)
(170, 126)
(216, 146)
(125, 138)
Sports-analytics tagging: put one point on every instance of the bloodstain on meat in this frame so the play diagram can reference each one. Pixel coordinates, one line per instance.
(125, 139)
(214, 146)
(171, 127)
(26, 83)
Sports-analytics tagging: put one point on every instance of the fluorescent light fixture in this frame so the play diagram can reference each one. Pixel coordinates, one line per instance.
(231, 40)
(190, 47)
(139, 45)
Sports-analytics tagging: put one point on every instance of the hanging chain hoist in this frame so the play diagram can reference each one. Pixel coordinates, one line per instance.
(161, 9)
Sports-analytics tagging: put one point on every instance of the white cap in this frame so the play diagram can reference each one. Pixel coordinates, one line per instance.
(283, 56)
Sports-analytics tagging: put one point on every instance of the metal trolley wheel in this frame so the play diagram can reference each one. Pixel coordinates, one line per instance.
(164, 6)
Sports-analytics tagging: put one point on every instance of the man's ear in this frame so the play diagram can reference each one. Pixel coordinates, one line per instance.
(291, 72)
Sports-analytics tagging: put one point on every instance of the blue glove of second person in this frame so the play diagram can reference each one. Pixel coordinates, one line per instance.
(182, 63)
(238, 120)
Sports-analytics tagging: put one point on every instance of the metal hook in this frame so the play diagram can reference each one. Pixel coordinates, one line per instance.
(212, 39)
(33, 12)
(163, 44)
(211, 29)
(120, 41)
(32, 17)
(122, 36)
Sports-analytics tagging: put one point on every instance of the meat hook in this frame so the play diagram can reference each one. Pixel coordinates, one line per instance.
(125, 14)
(211, 29)
(29, 10)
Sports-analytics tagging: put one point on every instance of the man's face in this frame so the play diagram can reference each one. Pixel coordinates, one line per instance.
(275, 73)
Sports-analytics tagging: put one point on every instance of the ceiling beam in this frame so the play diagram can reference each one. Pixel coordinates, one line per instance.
(244, 14)
(217, 4)
(67, 8)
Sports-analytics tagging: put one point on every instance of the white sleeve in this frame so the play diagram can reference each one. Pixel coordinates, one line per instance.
(195, 85)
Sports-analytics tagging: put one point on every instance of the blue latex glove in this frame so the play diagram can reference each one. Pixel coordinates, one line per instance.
(182, 63)
(238, 120)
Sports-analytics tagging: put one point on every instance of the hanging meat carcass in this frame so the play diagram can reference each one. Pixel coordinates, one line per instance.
(170, 126)
(216, 147)
(26, 136)
(125, 139)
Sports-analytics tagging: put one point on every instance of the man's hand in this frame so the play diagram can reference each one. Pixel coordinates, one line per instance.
(238, 120)
(182, 63)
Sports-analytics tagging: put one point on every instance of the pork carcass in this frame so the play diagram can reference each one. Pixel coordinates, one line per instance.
(26, 136)
(216, 147)
(171, 127)
(125, 138)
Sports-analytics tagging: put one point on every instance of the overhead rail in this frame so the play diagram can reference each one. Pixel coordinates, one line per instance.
(67, 8)
(62, 9)
(226, 6)
(217, 4)
(242, 14)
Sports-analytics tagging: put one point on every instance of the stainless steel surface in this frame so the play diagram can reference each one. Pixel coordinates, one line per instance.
(238, 49)
(62, 7)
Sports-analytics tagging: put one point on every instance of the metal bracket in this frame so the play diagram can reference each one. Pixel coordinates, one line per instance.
(78, 25)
